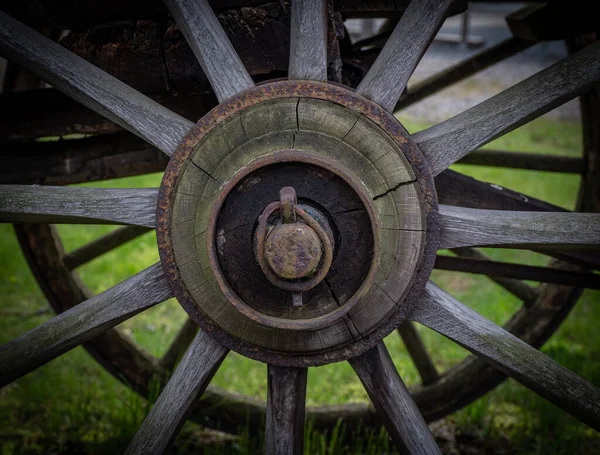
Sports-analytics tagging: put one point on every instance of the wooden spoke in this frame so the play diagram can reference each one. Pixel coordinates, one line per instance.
(503, 228)
(72, 205)
(211, 46)
(91, 86)
(198, 366)
(463, 70)
(518, 271)
(179, 345)
(447, 142)
(454, 188)
(82, 322)
(418, 353)
(308, 41)
(393, 402)
(528, 161)
(516, 287)
(102, 245)
(387, 78)
(441, 312)
(286, 397)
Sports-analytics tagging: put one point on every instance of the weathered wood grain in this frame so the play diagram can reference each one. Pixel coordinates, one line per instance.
(179, 345)
(447, 142)
(211, 46)
(506, 270)
(418, 353)
(462, 70)
(82, 322)
(393, 402)
(387, 78)
(91, 86)
(308, 43)
(73, 205)
(102, 245)
(518, 288)
(286, 398)
(441, 312)
(198, 366)
(502, 228)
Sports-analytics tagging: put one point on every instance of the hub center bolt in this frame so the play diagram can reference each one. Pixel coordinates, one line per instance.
(296, 255)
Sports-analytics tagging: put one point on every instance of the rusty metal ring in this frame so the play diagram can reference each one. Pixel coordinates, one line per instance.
(261, 231)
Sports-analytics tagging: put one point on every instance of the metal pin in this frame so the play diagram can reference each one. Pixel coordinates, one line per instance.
(297, 298)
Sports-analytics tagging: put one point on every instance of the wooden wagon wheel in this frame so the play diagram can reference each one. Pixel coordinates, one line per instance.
(311, 136)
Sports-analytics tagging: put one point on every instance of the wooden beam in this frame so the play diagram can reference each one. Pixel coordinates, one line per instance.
(57, 115)
(91, 86)
(85, 160)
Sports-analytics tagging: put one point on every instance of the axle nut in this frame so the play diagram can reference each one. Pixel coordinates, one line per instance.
(293, 251)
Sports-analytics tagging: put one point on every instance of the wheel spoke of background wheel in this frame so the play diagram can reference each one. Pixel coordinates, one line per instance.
(418, 353)
(529, 161)
(463, 70)
(518, 288)
(447, 142)
(454, 188)
(211, 46)
(308, 41)
(393, 402)
(441, 312)
(179, 345)
(91, 86)
(521, 272)
(82, 322)
(102, 245)
(195, 371)
(387, 78)
(504, 228)
(286, 397)
(72, 205)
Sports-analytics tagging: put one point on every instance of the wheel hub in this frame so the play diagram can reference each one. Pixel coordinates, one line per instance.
(296, 223)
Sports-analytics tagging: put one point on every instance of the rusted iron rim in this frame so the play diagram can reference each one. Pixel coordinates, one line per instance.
(290, 156)
(261, 233)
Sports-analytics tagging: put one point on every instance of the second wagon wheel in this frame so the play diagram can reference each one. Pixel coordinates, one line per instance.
(298, 222)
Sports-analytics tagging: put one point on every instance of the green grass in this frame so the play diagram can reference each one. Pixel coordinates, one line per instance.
(73, 405)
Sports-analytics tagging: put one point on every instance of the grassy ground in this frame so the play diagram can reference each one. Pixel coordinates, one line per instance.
(72, 405)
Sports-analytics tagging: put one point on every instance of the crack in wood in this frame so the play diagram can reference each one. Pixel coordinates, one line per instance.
(394, 188)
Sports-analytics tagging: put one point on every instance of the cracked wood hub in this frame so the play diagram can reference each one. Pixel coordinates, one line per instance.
(363, 196)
